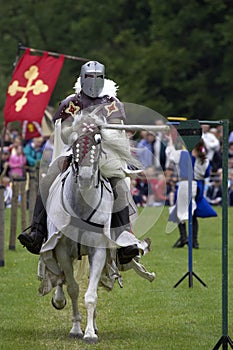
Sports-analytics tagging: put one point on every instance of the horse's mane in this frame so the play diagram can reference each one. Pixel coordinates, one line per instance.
(122, 151)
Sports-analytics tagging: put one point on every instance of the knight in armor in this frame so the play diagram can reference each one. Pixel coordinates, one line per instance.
(92, 90)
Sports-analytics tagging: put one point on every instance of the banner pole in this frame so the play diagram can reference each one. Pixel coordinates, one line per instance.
(75, 58)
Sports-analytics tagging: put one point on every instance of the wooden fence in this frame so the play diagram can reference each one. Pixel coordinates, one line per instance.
(24, 192)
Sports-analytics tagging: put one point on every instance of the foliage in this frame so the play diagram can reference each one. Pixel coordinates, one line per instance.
(172, 56)
(141, 315)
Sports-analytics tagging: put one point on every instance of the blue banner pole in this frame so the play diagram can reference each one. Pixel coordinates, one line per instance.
(190, 222)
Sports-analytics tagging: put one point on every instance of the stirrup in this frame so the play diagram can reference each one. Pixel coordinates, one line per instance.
(32, 245)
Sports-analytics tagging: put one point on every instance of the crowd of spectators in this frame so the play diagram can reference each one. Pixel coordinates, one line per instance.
(17, 157)
(155, 187)
(158, 184)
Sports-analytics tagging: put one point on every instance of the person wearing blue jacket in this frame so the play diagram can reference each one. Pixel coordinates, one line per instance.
(200, 206)
(33, 151)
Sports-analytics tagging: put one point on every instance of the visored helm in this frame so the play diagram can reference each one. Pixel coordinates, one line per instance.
(92, 78)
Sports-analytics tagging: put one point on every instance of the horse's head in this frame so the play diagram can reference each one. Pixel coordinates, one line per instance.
(86, 151)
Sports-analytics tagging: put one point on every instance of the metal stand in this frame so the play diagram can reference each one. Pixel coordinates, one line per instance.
(190, 272)
(224, 341)
(190, 275)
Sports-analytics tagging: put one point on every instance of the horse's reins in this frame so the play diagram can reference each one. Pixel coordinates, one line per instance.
(74, 166)
(81, 222)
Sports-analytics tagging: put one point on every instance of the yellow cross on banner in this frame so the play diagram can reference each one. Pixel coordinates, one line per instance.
(38, 87)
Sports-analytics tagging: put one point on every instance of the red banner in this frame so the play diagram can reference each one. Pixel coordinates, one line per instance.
(31, 87)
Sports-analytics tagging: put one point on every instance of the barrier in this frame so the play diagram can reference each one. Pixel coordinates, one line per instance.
(18, 189)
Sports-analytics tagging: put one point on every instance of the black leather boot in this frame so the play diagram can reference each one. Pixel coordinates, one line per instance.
(183, 236)
(38, 230)
(120, 221)
(126, 254)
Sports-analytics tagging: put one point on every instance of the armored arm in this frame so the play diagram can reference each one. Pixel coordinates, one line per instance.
(66, 112)
(68, 136)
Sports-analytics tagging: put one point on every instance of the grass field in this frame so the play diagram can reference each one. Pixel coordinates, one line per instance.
(142, 315)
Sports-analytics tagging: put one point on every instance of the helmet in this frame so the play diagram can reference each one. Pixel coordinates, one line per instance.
(92, 78)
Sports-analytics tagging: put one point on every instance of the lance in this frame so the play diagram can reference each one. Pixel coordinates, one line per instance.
(136, 127)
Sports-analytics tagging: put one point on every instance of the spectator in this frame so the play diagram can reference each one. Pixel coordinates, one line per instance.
(17, 142)
(230, 150)
(230, 177)
(171, 181)
(230, 163)
(230, 194)
(216, 162)
(4, 164)
(219, 133)
(139, 198)
(7, 141)
(160, 190)
(17, 162)
(7, 191)
(211, 142)
(151, 183)
(214, 192)
(142, 138)
(34, 151)
(230, 139)
(160, 144)
(145, 150)
(142, 186)
(15, 134)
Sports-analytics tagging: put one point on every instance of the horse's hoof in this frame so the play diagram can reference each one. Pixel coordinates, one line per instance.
(76, 336)
(152, 277)
(59, 306)
(90, 340)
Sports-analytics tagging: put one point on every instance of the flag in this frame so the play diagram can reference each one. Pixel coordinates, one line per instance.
(35, 129)
(30, 130)
(31, 87)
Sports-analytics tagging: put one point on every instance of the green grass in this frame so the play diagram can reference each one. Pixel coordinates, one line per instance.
(142, 315)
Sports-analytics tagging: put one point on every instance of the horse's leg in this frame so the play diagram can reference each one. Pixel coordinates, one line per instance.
(66, 264)
(94, 322)
(59, 299)
(97, 259)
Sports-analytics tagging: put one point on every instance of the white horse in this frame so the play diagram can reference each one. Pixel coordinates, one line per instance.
(79, 210)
